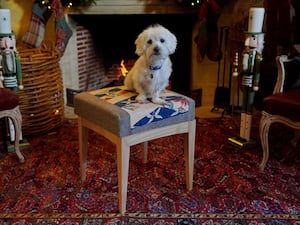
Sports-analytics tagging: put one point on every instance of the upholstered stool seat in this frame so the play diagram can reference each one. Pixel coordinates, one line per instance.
(113, 113)
(9, 107)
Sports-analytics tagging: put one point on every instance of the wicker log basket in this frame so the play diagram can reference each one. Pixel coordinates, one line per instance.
(41, 100)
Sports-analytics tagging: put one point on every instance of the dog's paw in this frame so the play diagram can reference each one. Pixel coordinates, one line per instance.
(159, 101)
(141, 99)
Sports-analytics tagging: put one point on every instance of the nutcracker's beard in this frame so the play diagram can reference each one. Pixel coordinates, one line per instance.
(9, 62)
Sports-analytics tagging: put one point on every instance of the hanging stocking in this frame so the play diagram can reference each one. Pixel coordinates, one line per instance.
(213, 48)
(201, 37)
(201, 40)
(62, 30)
(35, 33)
(203, 10)
(213, 52)
(207, 37)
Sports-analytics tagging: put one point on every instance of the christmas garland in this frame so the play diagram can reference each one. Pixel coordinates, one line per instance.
(69, 3)
(42, 10)
(65, 3)
(190, 3)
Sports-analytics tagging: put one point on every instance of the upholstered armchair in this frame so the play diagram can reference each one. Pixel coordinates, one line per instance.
(283, 106)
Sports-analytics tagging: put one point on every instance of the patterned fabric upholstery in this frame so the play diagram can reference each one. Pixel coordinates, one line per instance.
(115, 109)
(142, 114)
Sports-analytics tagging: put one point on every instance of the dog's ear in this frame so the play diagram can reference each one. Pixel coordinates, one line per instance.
(172, 42)
(140, 44)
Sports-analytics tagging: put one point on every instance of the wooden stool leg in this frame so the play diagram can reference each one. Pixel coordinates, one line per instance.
(123, 154)
(189, 150)
(145, 152)
(83, 136)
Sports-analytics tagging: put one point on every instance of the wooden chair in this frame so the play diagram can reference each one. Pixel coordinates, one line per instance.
(9, 107)
(283, 106)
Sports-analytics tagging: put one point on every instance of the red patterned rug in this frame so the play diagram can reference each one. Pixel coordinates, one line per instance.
(228, 186)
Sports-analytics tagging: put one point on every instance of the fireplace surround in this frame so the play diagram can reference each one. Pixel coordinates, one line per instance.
(101, 40)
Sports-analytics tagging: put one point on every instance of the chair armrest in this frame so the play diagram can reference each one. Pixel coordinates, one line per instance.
(280, 61)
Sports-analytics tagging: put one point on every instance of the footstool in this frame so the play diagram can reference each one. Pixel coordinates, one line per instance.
(113, 113)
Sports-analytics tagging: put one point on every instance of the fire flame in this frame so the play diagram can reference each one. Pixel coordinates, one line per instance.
(123, 69)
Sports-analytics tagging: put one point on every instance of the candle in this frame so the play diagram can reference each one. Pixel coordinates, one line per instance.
(256, 19)
(5, 26)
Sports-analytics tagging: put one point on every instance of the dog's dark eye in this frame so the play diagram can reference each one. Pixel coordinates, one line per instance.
(162, 40)
(149, 41)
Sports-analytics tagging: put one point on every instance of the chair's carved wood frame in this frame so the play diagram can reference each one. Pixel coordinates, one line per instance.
(268, 119)
(16, 117)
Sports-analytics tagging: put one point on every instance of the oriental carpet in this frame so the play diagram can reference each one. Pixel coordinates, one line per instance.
(228, 186)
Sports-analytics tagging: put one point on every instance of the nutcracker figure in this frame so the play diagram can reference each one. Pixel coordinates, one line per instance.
(10, 62)
(10, 72)
(250, 75)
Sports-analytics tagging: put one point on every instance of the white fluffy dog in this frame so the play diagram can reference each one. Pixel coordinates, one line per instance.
(150, 73)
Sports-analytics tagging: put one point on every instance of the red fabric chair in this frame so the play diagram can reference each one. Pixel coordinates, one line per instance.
(9, 107)
(283, 106)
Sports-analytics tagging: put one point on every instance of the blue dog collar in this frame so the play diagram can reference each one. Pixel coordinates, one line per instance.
(155, 67)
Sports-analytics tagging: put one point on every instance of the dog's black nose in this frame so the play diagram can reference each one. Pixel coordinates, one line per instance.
(156, 49)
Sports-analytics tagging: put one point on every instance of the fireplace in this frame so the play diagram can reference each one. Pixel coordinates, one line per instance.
(101, 41)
